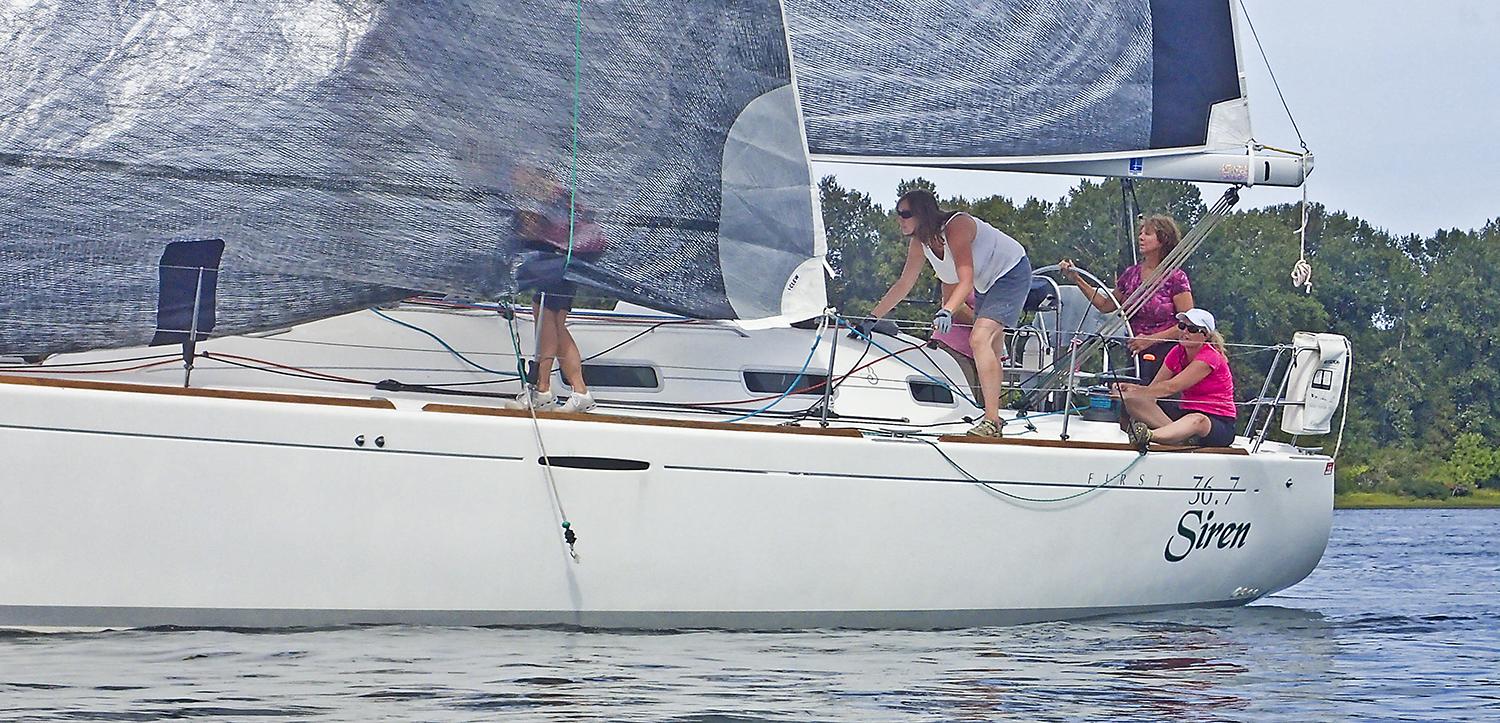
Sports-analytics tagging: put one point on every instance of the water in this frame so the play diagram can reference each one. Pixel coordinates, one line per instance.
(1401, 621)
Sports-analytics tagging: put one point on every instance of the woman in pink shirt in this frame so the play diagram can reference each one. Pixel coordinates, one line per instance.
(1197, 371)
(1153, 327)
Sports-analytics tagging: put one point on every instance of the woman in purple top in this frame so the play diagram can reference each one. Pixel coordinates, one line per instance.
(1154, 326)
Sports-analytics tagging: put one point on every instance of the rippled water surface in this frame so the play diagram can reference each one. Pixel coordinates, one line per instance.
(1400, 621)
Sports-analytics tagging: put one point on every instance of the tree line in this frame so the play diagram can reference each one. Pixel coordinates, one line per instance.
(1424, 411)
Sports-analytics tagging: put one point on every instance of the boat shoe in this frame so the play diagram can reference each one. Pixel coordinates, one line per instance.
(1140, 436)
(579, 402)
(986, 428)
(532, 399)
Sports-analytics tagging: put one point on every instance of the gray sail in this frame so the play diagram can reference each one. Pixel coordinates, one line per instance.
(348, 152)
(949, 82)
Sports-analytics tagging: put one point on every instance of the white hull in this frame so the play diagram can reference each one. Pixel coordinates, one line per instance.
(130, 509)
(137, 505)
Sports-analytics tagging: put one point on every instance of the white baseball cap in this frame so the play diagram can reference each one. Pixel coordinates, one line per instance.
(1197, 317)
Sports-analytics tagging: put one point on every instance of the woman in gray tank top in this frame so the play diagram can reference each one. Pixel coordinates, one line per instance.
(967, 255)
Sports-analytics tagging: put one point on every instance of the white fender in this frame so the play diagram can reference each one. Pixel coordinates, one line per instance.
(1315, 382)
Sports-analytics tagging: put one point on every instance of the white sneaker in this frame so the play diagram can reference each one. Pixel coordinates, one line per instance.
(579, 402)
(532, 399)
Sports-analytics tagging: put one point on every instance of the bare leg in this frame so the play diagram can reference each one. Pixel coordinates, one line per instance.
(1145, 409)
(986, 340)
(567, 353)
(1191, 425)
(546, 350)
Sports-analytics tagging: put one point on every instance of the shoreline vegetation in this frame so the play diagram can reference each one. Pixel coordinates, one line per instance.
(1423, 417)
(1479, 499)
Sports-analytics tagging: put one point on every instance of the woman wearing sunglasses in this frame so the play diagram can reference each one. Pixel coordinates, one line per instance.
(1153, 328)
(968, 255)
(1196, 371)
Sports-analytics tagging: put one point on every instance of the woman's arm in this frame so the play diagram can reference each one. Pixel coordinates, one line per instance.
(1196, 371)
(964, 314)
(1101, 300)
(904, 283)
(1163, 374)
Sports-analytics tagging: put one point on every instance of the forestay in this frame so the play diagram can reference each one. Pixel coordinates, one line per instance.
(348, 152)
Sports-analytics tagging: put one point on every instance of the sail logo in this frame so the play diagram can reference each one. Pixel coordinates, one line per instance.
(1235, 172)
(1196, 530)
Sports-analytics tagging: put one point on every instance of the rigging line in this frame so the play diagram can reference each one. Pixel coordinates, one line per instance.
(638, 335)
(569, 536)
(814, 385)
(990, 486)
(439, 340)
(283, 370)
(914, 367)
(310, 373)
(40, 369)
(508, 376)
(870, 342)
(96, 362)
(1272, 73)
(817, 341)
(577, 91)
(953, 386)
(1264, 147)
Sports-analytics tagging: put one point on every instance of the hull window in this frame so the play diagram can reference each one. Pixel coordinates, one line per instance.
(779, 382)
(930, 393)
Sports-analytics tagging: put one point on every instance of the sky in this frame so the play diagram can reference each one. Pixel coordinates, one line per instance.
(1399, 102)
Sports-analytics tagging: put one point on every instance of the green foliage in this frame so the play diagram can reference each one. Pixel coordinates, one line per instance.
(1424, 409)
(1472, 463)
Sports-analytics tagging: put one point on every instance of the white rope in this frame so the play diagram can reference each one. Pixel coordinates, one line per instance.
(1344, 406)
(536, 427)
(1302, 271)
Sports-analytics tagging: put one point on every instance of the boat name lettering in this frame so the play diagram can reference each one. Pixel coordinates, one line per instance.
(1120, 479)
(1196, 530)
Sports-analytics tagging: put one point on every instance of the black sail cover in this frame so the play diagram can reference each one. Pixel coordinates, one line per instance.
(950, 81)
(349, 152)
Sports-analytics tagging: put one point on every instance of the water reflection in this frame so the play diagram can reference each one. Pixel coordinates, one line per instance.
(1417, 639)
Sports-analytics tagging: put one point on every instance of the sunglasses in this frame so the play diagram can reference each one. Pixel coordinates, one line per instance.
(905, 213)
(1189, 328)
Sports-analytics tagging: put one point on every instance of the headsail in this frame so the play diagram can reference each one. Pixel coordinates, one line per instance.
(350, 151)
(1124, 87)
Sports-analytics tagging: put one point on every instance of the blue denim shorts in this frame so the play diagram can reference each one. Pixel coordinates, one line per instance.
(1002, 302)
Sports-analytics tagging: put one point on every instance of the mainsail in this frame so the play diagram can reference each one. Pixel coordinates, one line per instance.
(1122, 88)
(348, 152)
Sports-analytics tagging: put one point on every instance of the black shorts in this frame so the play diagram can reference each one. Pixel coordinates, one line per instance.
(557, 295)
(544, 274)
(1221, 428)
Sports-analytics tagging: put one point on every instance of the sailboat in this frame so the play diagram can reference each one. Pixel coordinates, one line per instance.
(258, 337)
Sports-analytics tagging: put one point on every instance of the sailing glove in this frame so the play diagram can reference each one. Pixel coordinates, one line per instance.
(943, 322)
(865, 328)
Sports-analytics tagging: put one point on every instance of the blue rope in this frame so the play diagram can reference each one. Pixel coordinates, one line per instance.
(894, 355)
(445, 345)
(795, 381)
